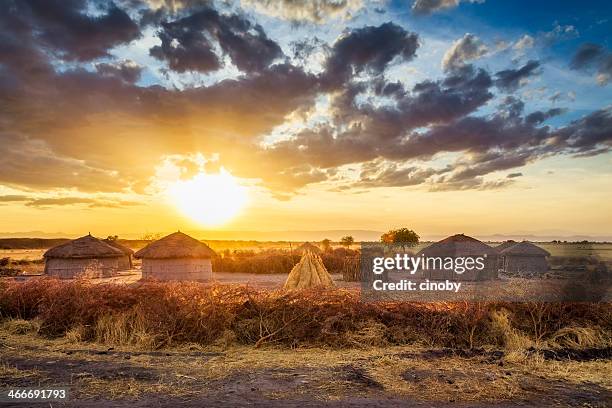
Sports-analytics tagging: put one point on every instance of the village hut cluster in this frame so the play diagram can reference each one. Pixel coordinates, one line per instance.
(180, 257)
(512, 258)
(174, 257)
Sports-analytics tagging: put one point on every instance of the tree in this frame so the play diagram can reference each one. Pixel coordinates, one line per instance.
(112, 238)
(326, 245)
(347, 241)
(401, 236)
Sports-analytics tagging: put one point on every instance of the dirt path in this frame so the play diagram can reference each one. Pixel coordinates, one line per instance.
(243, 376)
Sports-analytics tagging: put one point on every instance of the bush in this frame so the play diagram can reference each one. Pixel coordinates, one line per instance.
(160, 314)
(275, 261)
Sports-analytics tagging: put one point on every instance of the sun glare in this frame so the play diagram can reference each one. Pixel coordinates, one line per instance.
(209, 199)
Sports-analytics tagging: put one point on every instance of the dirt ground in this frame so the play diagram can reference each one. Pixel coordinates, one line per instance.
(235, 376)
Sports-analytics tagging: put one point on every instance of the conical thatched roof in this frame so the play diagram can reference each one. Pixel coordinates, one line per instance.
(505, 245)
(122, 248)
(84, 247)
(307, 246)
(457, 245)
(309, 272)
(176, 245)
(525, 248)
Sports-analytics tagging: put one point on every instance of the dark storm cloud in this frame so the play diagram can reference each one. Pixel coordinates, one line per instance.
(188, 44)
(65, 27)
(127, 71)
(593, 56)
(369, 49)
(510, 79)
(514, 175)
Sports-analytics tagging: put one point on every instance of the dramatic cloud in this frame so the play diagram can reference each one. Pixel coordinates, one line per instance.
(592, 56)
(510, 79)
(391, 175)
(101, 126)
(465, 49)
(431, 6)
(316, 11)
(127, 71)
(369, 49)
(25, 160)
(66, 27)
(187, 43)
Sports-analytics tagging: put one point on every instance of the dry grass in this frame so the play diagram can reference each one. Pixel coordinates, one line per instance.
(20, 326)
(318, 373)
(155, 315)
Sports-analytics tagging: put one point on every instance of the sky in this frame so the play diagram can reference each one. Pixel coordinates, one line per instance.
(445, 116)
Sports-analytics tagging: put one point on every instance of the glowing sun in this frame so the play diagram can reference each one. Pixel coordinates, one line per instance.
(209, 199)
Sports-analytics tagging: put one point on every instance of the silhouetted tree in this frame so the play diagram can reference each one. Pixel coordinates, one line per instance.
(401, 236)
(347, 241)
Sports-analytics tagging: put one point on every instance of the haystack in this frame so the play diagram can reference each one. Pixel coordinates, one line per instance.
(460, 246)
(176, 257)
(83, 257)
(525, 258)
(306, 247)
(125, 262)
(309, 272)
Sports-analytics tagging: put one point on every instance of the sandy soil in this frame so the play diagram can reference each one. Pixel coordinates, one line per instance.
(236, 376)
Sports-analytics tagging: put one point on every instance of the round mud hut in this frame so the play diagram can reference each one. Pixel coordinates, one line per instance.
(524, 258)
(308, 273)
(87, 257)
(176, 257)
(125, 262)
(500, 248)
(436, 256)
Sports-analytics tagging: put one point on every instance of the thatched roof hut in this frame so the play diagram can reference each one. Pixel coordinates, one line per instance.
(459, 246)
(524, 258)
(499, 249)
(504, 245)
(125, 262)
(82, 257)
(309, 272)
(307, 246)
(176, 257)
